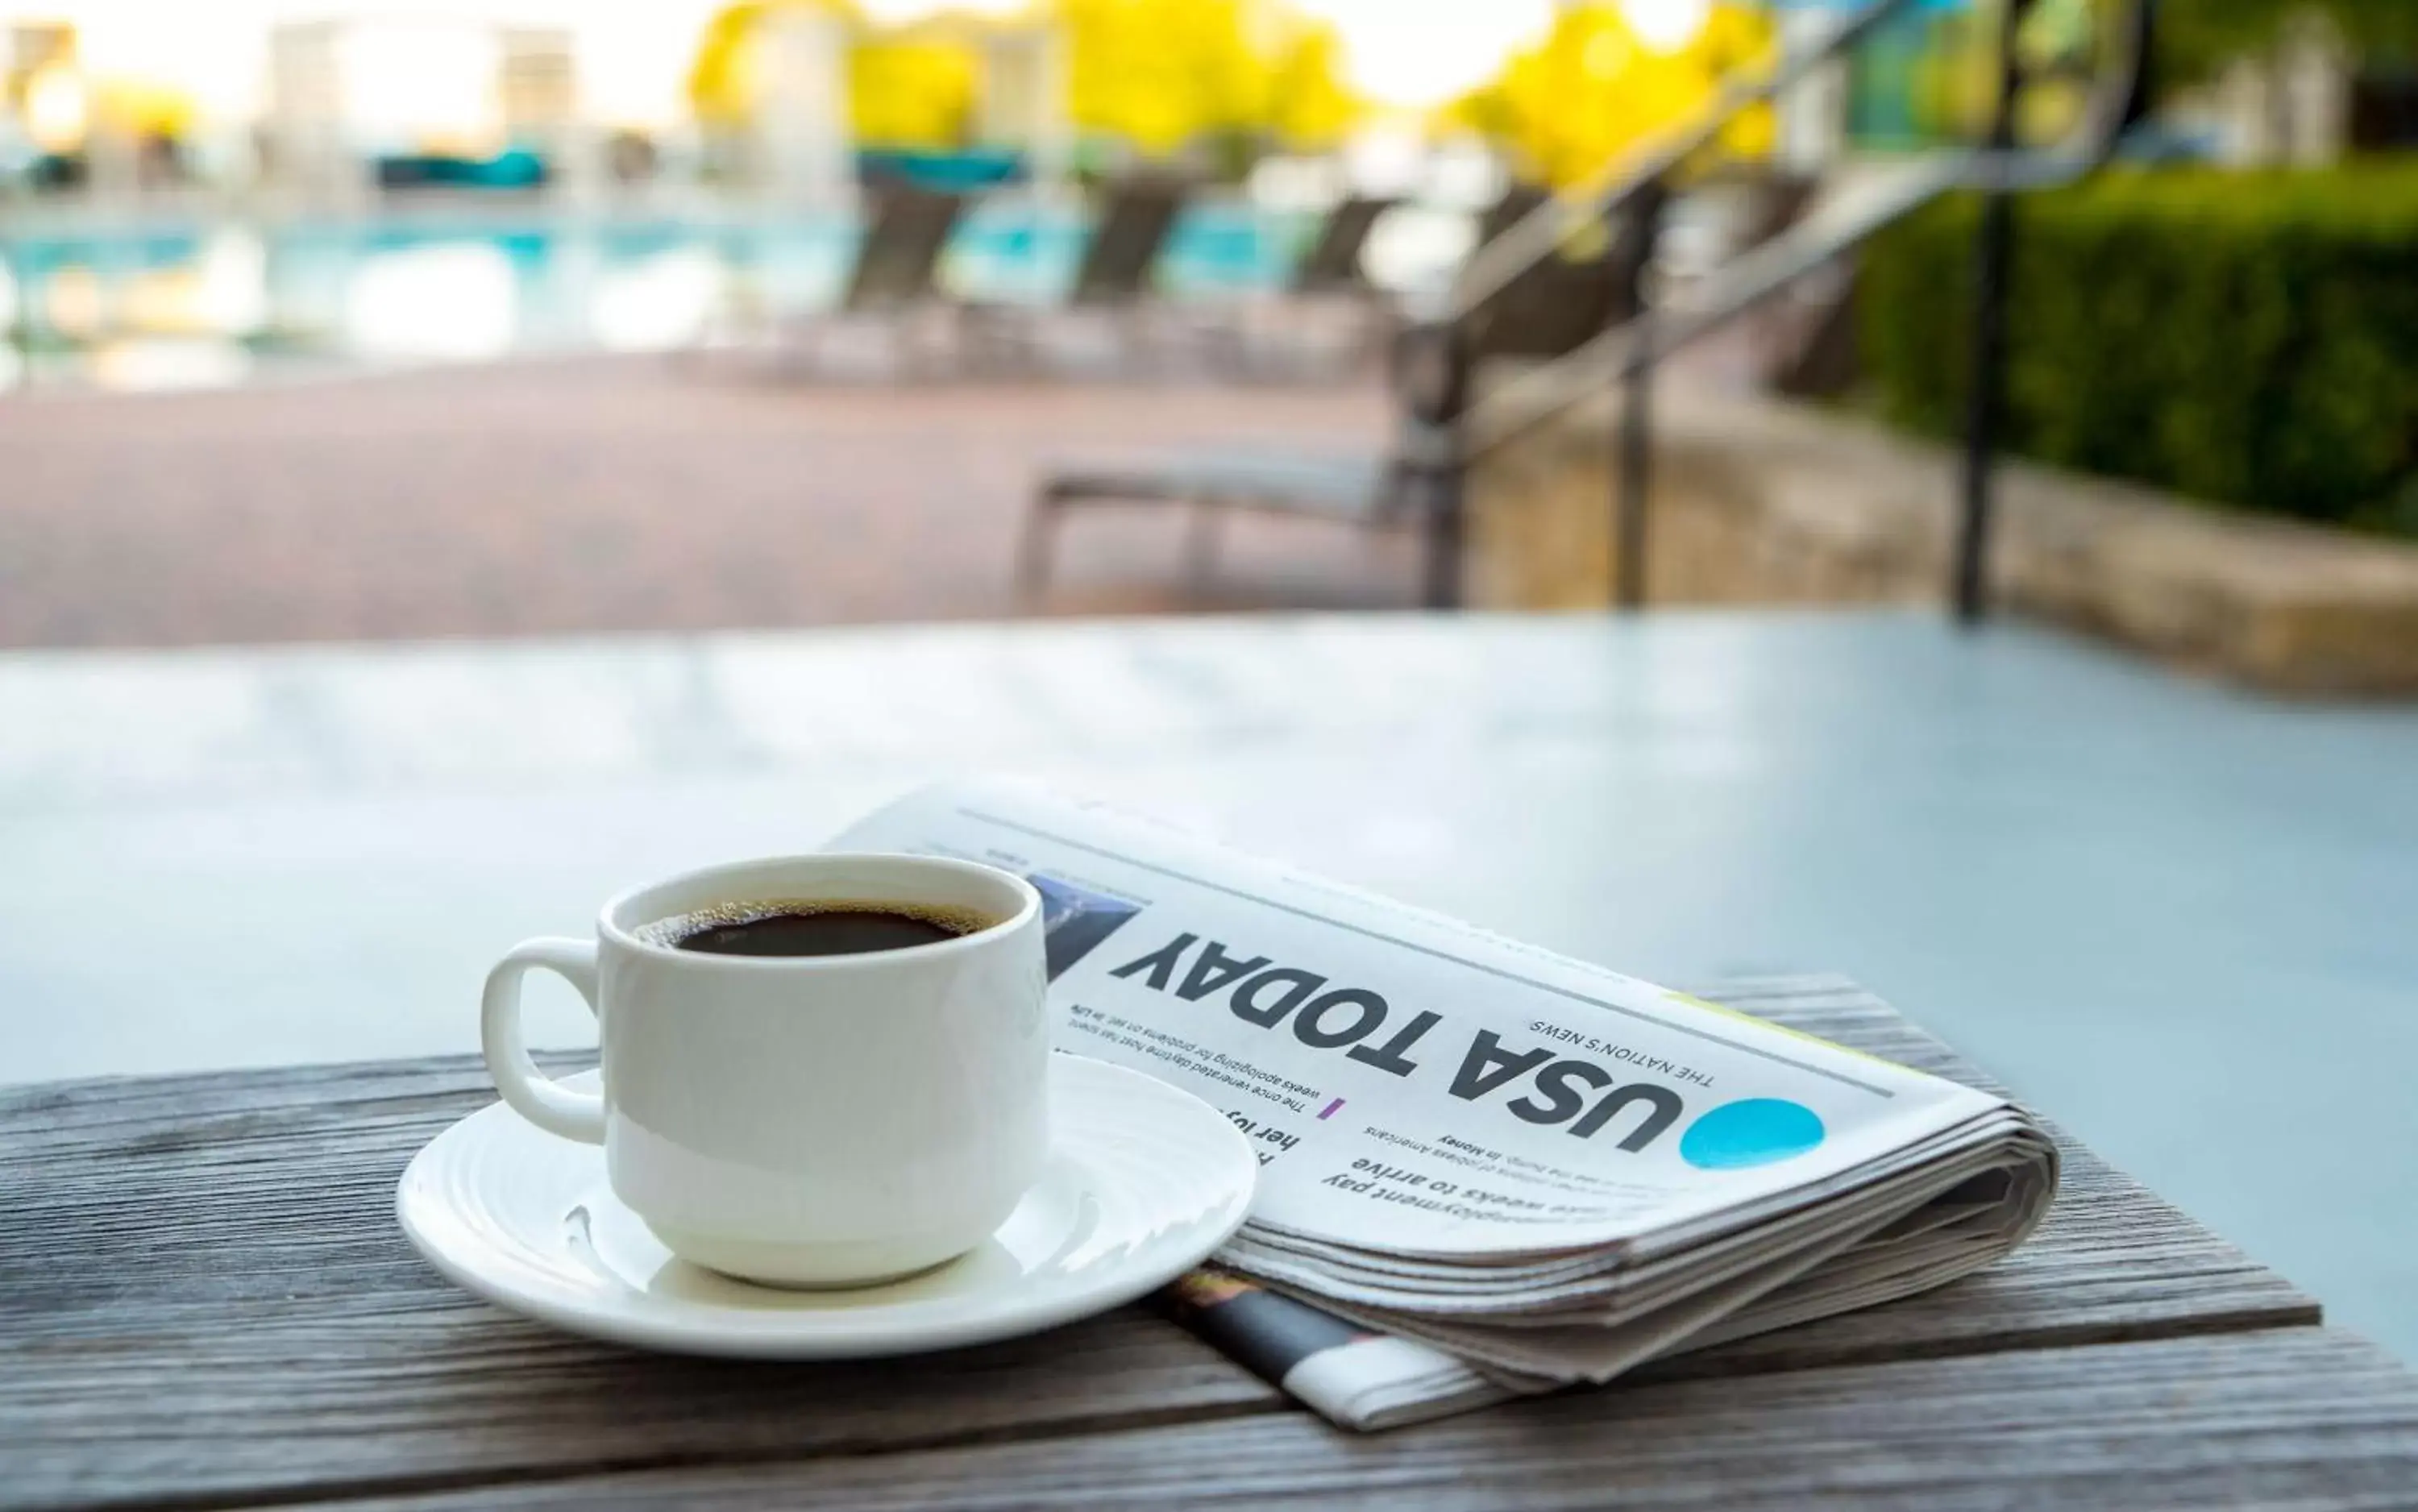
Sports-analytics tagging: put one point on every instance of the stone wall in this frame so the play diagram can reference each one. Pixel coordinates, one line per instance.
(1756, 501)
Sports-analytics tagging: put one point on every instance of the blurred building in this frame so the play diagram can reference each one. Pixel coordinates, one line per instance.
(45, 104)
(481, 106)
(306, 151)
(537, 100)
(799, 148)
(34, 50)
(1022, 103)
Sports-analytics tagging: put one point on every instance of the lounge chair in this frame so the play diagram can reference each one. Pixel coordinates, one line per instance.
(1112, 290)
(1327, 317)
(1551, 308)
(1332, 265)
(893, 293)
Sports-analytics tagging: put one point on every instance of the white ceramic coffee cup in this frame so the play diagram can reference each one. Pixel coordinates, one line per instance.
(804, 1120)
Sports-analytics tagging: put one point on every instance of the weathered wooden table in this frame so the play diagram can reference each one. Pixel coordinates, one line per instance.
(204, 1302)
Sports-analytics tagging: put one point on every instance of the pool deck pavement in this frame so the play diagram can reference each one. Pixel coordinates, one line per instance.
(531, 498)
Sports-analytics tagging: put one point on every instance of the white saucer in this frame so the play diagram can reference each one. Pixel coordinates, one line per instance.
(1143, 1182)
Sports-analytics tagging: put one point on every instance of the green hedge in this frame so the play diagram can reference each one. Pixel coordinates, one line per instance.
(2249, 339)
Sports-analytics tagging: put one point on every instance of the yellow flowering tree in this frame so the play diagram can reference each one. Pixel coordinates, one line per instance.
(911, 87)
(722, 79)
(915, 88)
(1158, 74)
(1309, 105)
(1163, 73)
(142, 108)
(1591, 91)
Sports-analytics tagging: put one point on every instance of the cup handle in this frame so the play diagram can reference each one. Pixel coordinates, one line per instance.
(532, 1094)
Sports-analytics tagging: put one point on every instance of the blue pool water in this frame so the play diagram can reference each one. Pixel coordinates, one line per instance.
(208, 302)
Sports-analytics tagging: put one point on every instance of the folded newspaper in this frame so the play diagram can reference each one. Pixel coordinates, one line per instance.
(1486, 1169)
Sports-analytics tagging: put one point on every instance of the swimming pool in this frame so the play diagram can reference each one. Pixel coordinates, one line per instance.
(212, 301)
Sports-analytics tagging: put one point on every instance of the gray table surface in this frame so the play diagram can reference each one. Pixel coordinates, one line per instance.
(2177, 915)
(207, 1304)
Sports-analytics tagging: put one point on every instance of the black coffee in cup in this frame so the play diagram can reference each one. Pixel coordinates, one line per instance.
(811, 928)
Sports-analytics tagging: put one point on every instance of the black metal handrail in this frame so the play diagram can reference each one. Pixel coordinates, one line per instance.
(1539, 234)
(1625, 354)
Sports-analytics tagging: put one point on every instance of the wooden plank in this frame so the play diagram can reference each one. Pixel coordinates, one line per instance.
(2305, 1418)
(204, 1297)
(241, 1317)
(2111, 1262)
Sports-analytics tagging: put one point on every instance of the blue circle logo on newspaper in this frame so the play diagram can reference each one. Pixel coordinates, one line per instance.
(1754, 1131)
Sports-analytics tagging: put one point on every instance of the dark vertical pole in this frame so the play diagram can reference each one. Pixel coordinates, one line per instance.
(1446, 481)
(1633, 437)
(1635, 483)
(1993, 256)
(1431, 368)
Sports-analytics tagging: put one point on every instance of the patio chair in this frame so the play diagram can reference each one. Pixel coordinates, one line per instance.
(1551, 308)
(893, 292)
(1111, 288)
